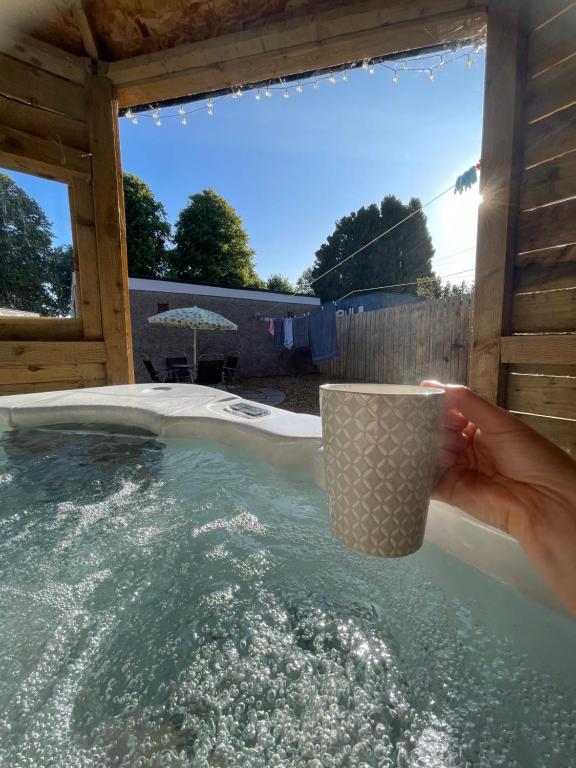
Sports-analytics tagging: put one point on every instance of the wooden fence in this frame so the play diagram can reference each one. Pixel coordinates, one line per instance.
(405, 344)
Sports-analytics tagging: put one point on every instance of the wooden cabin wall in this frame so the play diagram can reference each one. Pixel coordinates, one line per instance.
(524, 346)
(57, 120)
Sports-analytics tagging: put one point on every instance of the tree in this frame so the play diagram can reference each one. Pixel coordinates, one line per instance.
(432, 288)
(279, 283)
(304, 282)
(25, 247)
(399, 257)
(147, 229)
(212, 245)
(59, 268)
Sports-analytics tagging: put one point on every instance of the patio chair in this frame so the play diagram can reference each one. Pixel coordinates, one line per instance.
(230, 368)
(152, 372)
(177, 374)
(209, 372)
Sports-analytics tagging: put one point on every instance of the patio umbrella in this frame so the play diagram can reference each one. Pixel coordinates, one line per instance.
(196, 318)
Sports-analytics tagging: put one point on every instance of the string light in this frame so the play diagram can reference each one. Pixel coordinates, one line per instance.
(369, 65)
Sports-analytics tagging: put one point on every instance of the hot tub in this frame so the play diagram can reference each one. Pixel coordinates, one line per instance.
(171, 595)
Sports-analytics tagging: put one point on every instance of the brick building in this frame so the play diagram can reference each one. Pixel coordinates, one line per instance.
(247, 308)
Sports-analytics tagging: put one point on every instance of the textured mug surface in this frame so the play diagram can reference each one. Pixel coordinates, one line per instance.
(380, 444)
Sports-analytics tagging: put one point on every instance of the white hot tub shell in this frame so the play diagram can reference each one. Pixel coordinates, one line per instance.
(279, 437)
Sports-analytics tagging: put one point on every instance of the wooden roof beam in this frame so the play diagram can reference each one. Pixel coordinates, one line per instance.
(87, 33)
(279, 49)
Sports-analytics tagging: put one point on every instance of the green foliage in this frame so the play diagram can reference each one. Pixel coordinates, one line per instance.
(303, 284)
(279, 283)
(432, 288)
(212, 245)
(34, 277)
(147, 229)
(399, 257)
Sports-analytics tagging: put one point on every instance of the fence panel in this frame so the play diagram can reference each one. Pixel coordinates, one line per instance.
(405, 344)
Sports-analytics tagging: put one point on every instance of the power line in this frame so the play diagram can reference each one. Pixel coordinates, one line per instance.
(402, 285)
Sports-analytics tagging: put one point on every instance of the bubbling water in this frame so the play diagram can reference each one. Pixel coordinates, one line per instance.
(185, 605)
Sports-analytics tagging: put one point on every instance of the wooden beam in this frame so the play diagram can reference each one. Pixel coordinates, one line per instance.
(550, 138)
(552, 44)
(44, 157)
(51, 352)
(551, 91)
(43, 124)
(23, 82)
(543, 395)
(501, 164)
(51, 386)
(86, 256)
(547, 349)
(85, 373)
(110, 230)
(322, 39)
(86, 30)
(40, 329)
(559, 431)
(547, 227)
(544, 311)
(44, 56)
(546, 270)
(549, 182)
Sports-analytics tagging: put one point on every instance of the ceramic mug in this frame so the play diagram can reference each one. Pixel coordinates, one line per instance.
(380, 443)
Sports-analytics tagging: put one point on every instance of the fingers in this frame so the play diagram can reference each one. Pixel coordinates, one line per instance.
(485, 415)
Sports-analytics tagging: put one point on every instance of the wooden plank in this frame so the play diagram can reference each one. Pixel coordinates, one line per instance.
(543, 395)
(86, 251)
(546, 269)
(544, 311)
(87, 33)
(110, 230)
(548, 349)
(297, 45)
(559, 369)
(501, 160)
(24, 152)
(546, 11)
(51, 352)
(44, 124)
(547, 227)
(49, 386)
(551, 91)
(44, 56)
(33, 86)
(40, 329)
(562, 432)
(553, 43)
(548, 182)
(25, 374)
(550, 138)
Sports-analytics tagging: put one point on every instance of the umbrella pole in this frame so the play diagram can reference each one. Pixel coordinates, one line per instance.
(194, 348)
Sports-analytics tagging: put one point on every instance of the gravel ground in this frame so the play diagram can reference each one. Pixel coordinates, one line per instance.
(301, 391)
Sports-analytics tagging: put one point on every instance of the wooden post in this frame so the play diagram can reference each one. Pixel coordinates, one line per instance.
(501, 168)
(110, 229)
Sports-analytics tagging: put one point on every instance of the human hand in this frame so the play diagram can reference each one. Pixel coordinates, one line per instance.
(507, 475)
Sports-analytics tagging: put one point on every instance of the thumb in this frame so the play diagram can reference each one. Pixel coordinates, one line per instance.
(489, 417)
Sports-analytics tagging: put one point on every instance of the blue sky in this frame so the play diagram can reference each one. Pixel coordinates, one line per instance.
(291, 167)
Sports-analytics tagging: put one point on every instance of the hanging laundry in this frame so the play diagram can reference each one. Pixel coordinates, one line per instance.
(278, 332)
(288, 333)
(300, 331)
(271, 327)
(323, 335)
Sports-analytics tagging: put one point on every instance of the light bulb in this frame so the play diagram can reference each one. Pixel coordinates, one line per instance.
(431, 76)
(129, 114)
(239, 92)
(442, 62)
(286, 94)
(210, 107)
(345, 76)
(315, 85)
(395, 78)
(371, 69)
(405, 66)
(183, 119)
(365, 64)
(158, 122)
(268, 93)
(258, 95)
(332, 78)
(181, 111)
(469, 62)
(234, 95)
(135, 120)
(156, 114)
(299, 88)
